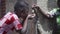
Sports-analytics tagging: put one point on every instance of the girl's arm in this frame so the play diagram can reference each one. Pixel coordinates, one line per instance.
(26, 22)
(24, 25)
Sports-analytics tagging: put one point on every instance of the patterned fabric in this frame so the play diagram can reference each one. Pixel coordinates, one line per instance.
(9, 22)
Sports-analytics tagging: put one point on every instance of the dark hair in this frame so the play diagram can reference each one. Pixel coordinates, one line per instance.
(21, 5)
(58, 3)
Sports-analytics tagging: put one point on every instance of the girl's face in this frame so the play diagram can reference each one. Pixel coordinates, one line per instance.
(23, 14)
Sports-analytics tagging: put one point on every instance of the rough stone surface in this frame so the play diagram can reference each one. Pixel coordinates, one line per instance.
(45, 5)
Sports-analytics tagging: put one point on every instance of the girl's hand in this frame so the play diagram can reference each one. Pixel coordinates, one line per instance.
(35, 6)
(31, 15)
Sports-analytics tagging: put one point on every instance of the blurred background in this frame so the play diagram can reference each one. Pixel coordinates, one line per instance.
(45, 5)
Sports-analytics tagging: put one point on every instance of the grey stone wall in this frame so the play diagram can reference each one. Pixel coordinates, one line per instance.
(10, 5)
(46, 5)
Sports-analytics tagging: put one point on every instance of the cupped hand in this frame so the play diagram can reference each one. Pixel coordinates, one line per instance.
(31, 15)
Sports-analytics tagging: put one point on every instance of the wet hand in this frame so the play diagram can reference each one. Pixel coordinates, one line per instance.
(31, 15)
